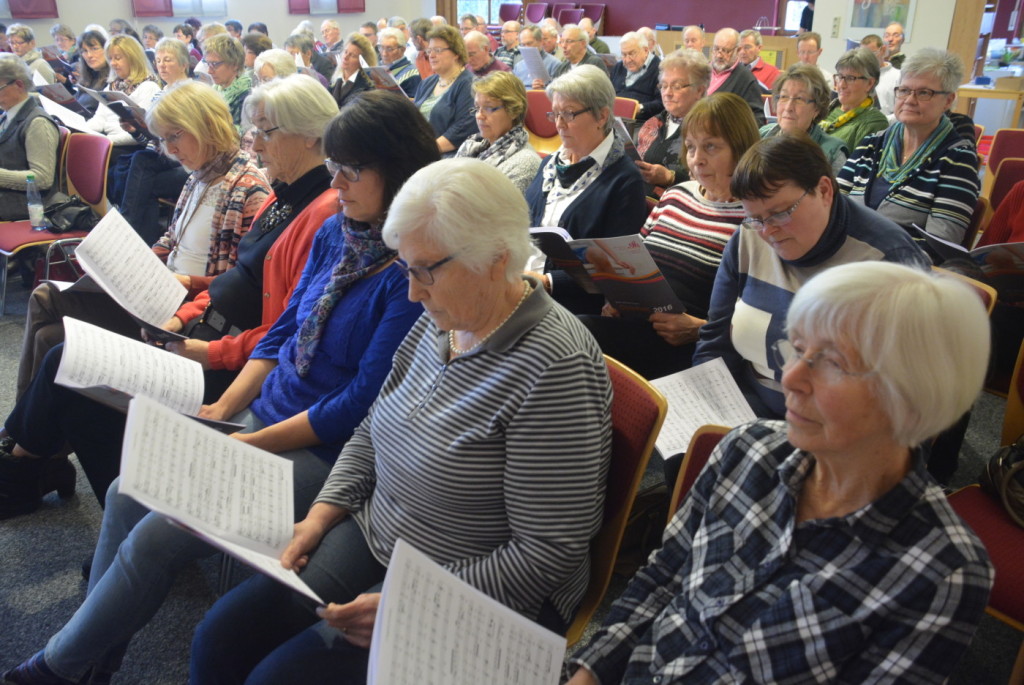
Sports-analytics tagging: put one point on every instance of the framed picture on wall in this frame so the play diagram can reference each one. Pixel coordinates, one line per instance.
(872, 16)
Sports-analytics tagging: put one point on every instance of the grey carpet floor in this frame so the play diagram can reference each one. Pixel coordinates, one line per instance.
(41, 557)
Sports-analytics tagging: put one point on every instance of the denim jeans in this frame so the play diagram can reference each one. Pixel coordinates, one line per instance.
(262, 632)
(137, 558)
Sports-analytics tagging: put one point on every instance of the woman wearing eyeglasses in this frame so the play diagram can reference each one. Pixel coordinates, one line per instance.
(855, 113)
(446, 97)
(919, 171)
(92, 69)
(801, 100)
(588, 186)
(304, 390)
(820, 549)
(683, 80)
(797, 225)
(486, 450)
(224, 57)
(499, 107)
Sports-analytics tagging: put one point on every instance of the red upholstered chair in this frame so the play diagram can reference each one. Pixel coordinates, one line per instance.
(1008, 173)
(1008, 142)
(638, 410)
(510, 11)
(697, 454)
(1004, 541)
(569, 16)
(536, 11)
(979, 219)
(88, 162)
(594, 12)
(556, 9)
(543, 134)
(626, 108)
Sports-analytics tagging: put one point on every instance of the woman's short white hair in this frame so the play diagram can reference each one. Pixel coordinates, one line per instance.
(944, 65)
(296, 104)
(467, 207)
(924, 336)
(589, 86)
(281, 61)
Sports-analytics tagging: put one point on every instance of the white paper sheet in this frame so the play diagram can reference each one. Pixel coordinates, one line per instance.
(231, 494)
(128, 270)
(535, 64)
(432, 627)
(70, 119)
(704, 394)
(95, 356)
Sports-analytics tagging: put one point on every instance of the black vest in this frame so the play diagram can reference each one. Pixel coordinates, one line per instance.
(13, 157)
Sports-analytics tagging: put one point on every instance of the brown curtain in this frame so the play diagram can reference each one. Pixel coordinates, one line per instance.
(449, 9)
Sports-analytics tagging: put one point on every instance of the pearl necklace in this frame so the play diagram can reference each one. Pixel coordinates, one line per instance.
(456, 350)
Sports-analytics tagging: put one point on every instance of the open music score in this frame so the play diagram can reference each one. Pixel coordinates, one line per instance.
(233, 495)
(433, 628)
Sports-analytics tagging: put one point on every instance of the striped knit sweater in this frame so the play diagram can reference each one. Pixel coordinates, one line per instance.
(939, 196)
(493, 463)
(686, 235)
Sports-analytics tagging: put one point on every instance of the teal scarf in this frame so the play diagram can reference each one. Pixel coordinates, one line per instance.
(890, 169)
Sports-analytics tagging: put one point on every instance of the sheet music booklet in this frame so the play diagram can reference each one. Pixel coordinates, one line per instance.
(535, 64)
(433, 627)
(703, 394)
(230, 494)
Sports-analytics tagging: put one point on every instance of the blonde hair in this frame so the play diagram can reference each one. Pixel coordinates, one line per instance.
(198, 109)
(136, 55)
(504, 86)
(363, 43)
(228, 48)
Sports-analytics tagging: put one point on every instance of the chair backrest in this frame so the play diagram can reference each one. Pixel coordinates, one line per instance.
(626, 108)
(510, 11)
(557, 7)
(570, 15)
(594, 11)
(979, 131)
(87, 161)
(1009, 171)
(1008, 142)
(535, 11)
(697, 453)
(638, 411)
(59, 175)
(977, 222)
(1013, 419)
(543, 134)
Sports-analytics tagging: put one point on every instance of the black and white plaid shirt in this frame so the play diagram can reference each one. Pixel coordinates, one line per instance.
(740, 593)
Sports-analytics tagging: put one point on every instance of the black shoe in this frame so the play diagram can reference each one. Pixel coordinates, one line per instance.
(24, 480)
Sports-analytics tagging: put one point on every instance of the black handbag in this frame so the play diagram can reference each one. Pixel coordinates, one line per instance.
(1003, 478)
(70, 214)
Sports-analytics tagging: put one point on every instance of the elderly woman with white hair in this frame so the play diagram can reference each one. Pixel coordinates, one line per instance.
(500, 107)
(273, 63)
(820, 545)
(495, 487)
(919, 171)
(589, 186)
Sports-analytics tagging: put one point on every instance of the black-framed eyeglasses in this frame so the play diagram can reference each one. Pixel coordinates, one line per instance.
(824, 366)
(350, 172)
(780, 219)
(567, 115)
(485, 110)
(847, 78)
(424, 275)
(264, 133)
(922, 94)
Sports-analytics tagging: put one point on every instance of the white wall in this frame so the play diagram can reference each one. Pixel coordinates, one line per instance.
(274, 13)
(930, 28)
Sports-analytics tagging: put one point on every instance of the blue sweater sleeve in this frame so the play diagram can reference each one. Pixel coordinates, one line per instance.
(335, 416)
(453, 112)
